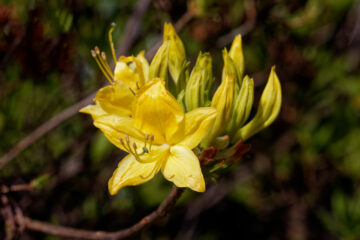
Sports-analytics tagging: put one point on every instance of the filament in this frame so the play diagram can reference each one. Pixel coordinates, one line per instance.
(111, 42)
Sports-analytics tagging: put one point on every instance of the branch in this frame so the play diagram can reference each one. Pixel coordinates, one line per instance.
(74, 109)
(68, 232)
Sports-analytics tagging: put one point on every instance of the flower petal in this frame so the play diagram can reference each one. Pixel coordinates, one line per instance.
(94, 110)
(116, 99)
(115, 127)
(183, 169)
(124, 74)
(130, 172)
(197, 123)
(157, 112)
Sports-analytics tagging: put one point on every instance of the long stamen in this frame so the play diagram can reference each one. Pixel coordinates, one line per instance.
(106, 64)
(135, 147)
(151, 141)
(102, 58)
(93, 53)
(111, 41)
(132, 91)
(146, 139)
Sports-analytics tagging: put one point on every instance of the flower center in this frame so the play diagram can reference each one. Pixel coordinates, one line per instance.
(133, 148)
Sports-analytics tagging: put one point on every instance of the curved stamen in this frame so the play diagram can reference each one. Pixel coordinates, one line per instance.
(111, 41)
(95, 56)
(106, 64)
(132, 148)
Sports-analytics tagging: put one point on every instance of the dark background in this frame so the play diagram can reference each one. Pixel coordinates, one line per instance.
(299, 181)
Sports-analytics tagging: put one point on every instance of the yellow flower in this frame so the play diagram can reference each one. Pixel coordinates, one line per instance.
(125, 82)
(158, 136)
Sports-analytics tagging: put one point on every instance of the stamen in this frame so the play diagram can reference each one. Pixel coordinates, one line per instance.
(132, 91)
(95, 56)
(106, 64)
(135, 147)
(97, 50)
(151, 141)
(132, 147)
(146, 139)
(137, 85)
(111, 42)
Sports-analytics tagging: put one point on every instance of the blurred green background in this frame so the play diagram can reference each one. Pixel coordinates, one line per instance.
(299, 181)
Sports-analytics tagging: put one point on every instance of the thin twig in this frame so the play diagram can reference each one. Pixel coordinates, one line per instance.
(44, 128)
(132, 26)
(68, 232)
(74, 109)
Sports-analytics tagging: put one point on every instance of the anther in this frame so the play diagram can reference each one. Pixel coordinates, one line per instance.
(127, 138)
(103, 55)
(134, 146)
(93, 53)
(97, 50)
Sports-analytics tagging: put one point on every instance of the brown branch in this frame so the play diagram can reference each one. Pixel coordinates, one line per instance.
(74, 109)
(132, 26)
(44, 128)
(68, 232)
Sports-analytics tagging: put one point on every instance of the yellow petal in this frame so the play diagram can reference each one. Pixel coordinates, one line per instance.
(130, 172)
(94, 110)
(116, 99)
(123, 73)
(144, 64)
(197, 123)
(115, 127)
(183, 169)
(157, 112)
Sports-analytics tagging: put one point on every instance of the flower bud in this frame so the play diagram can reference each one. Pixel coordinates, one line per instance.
(198, 87)
(159, 64)
(177, 55)
(269, 108)
(222, 102)
(242, 106)
(237, 56)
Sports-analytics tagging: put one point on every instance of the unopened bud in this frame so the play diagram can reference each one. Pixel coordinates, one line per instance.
(269, 108)
(198, 87)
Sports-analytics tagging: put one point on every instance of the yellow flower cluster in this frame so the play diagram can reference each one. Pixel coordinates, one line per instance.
(159, 113)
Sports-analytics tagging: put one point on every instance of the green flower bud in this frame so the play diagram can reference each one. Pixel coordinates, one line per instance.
(198, 87)
(177, 55)
(269, 108)
(242, 106)
(237, 56)
(222, 102)
(159, 64)
(229, 66)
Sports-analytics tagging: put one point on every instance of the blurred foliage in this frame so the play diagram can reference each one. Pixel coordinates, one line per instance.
(304, 168)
